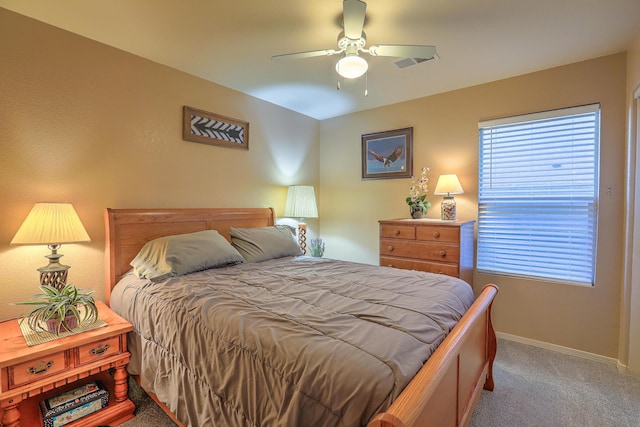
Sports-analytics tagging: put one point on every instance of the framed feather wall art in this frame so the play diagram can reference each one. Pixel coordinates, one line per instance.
(213, 129)
(388, 154)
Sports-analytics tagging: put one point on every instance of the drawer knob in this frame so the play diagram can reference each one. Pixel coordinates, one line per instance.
(396, 232)
(390, 248)
(40, 368)
(443, 254)
(436, 234)
(101, 349)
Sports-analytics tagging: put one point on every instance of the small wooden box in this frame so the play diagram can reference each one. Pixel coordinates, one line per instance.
(67, 407)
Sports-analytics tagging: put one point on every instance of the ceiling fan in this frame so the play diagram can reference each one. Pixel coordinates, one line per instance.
(352, 40)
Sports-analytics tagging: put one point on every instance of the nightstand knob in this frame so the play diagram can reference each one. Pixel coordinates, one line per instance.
(436, 234)
(390, 248)
(40, 368)
(396, 232)
(443, 254)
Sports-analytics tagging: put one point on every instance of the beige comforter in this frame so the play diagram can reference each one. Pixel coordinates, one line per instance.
(286, 342)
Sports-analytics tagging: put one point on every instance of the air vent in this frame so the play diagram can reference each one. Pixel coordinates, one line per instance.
(410, 62)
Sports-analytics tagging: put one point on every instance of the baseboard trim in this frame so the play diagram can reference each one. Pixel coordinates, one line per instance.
(566, 350)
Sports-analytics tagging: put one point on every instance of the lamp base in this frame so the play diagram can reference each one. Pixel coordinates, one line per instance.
(302, 237)
(54, 274)
(448, 209)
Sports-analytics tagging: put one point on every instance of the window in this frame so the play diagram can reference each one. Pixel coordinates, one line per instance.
(538, 181)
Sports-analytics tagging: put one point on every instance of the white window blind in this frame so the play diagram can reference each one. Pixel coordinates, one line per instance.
(538, 181)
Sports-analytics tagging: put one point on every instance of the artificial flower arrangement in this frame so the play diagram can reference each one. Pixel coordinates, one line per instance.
(417, 200)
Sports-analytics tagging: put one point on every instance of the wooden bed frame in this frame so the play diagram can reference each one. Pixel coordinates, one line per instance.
(445, 390)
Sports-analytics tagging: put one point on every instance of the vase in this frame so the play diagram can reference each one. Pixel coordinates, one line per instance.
(416, 211)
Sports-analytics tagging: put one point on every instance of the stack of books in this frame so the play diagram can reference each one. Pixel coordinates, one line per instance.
(77, 403)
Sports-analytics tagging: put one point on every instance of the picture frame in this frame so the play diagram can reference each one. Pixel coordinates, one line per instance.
(213, 129)
(388, 154)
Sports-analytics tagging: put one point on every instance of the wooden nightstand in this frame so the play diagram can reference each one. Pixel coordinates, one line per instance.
(31, 374)
(444, 247)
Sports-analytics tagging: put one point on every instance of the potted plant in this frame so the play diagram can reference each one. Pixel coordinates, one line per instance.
(59, 309)
(316, 247)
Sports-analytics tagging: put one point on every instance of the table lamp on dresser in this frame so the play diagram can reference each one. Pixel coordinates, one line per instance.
(448, 184)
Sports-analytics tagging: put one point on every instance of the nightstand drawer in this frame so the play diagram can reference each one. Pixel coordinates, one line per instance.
(33, 370)
(98, 350)
(438, 234)
(419, 250)
(398, 231)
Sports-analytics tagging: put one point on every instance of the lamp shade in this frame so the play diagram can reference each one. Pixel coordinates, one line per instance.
(448, 184)
(51, 223)
(352, 66)
(301, 202)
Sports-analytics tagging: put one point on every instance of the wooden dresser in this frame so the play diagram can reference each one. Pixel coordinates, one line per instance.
(445, 247)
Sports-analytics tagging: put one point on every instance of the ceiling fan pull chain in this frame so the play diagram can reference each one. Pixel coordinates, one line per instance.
(366, 83)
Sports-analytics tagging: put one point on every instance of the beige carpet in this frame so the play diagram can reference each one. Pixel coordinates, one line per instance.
(543, 388)
(534, 388)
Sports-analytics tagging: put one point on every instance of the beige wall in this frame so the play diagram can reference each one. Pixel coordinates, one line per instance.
(446, 140)
(92, 125)
(630, 320)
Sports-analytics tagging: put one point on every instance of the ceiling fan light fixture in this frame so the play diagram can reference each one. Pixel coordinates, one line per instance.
(352, 66)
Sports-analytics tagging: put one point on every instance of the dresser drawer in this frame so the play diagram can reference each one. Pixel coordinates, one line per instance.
(438, 234)
(34, 370)
(429, 267)
(99, 350)
(420, 250)
(405, 264)
(438, 268)
(398, 231)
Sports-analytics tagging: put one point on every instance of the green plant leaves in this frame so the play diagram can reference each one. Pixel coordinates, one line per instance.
(54, 303)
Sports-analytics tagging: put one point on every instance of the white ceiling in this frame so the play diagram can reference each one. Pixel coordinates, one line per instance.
(230, 42)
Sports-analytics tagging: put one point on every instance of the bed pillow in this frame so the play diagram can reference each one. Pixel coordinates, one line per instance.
(180, 254)
(261, 244)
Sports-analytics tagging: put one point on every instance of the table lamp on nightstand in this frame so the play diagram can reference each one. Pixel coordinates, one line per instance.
(448, 184)
(301, 203)
(52, 224)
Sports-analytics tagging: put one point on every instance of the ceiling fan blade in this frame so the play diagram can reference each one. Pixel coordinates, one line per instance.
(403, 51)
(353, 12)
(300, 55)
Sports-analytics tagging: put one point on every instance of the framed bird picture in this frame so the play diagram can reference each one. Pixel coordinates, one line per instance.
(213, 129)
(388, 154)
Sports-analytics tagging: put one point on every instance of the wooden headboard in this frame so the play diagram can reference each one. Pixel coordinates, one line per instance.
(127, 230)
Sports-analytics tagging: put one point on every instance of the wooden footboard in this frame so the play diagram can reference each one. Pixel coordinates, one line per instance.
(447, 388)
